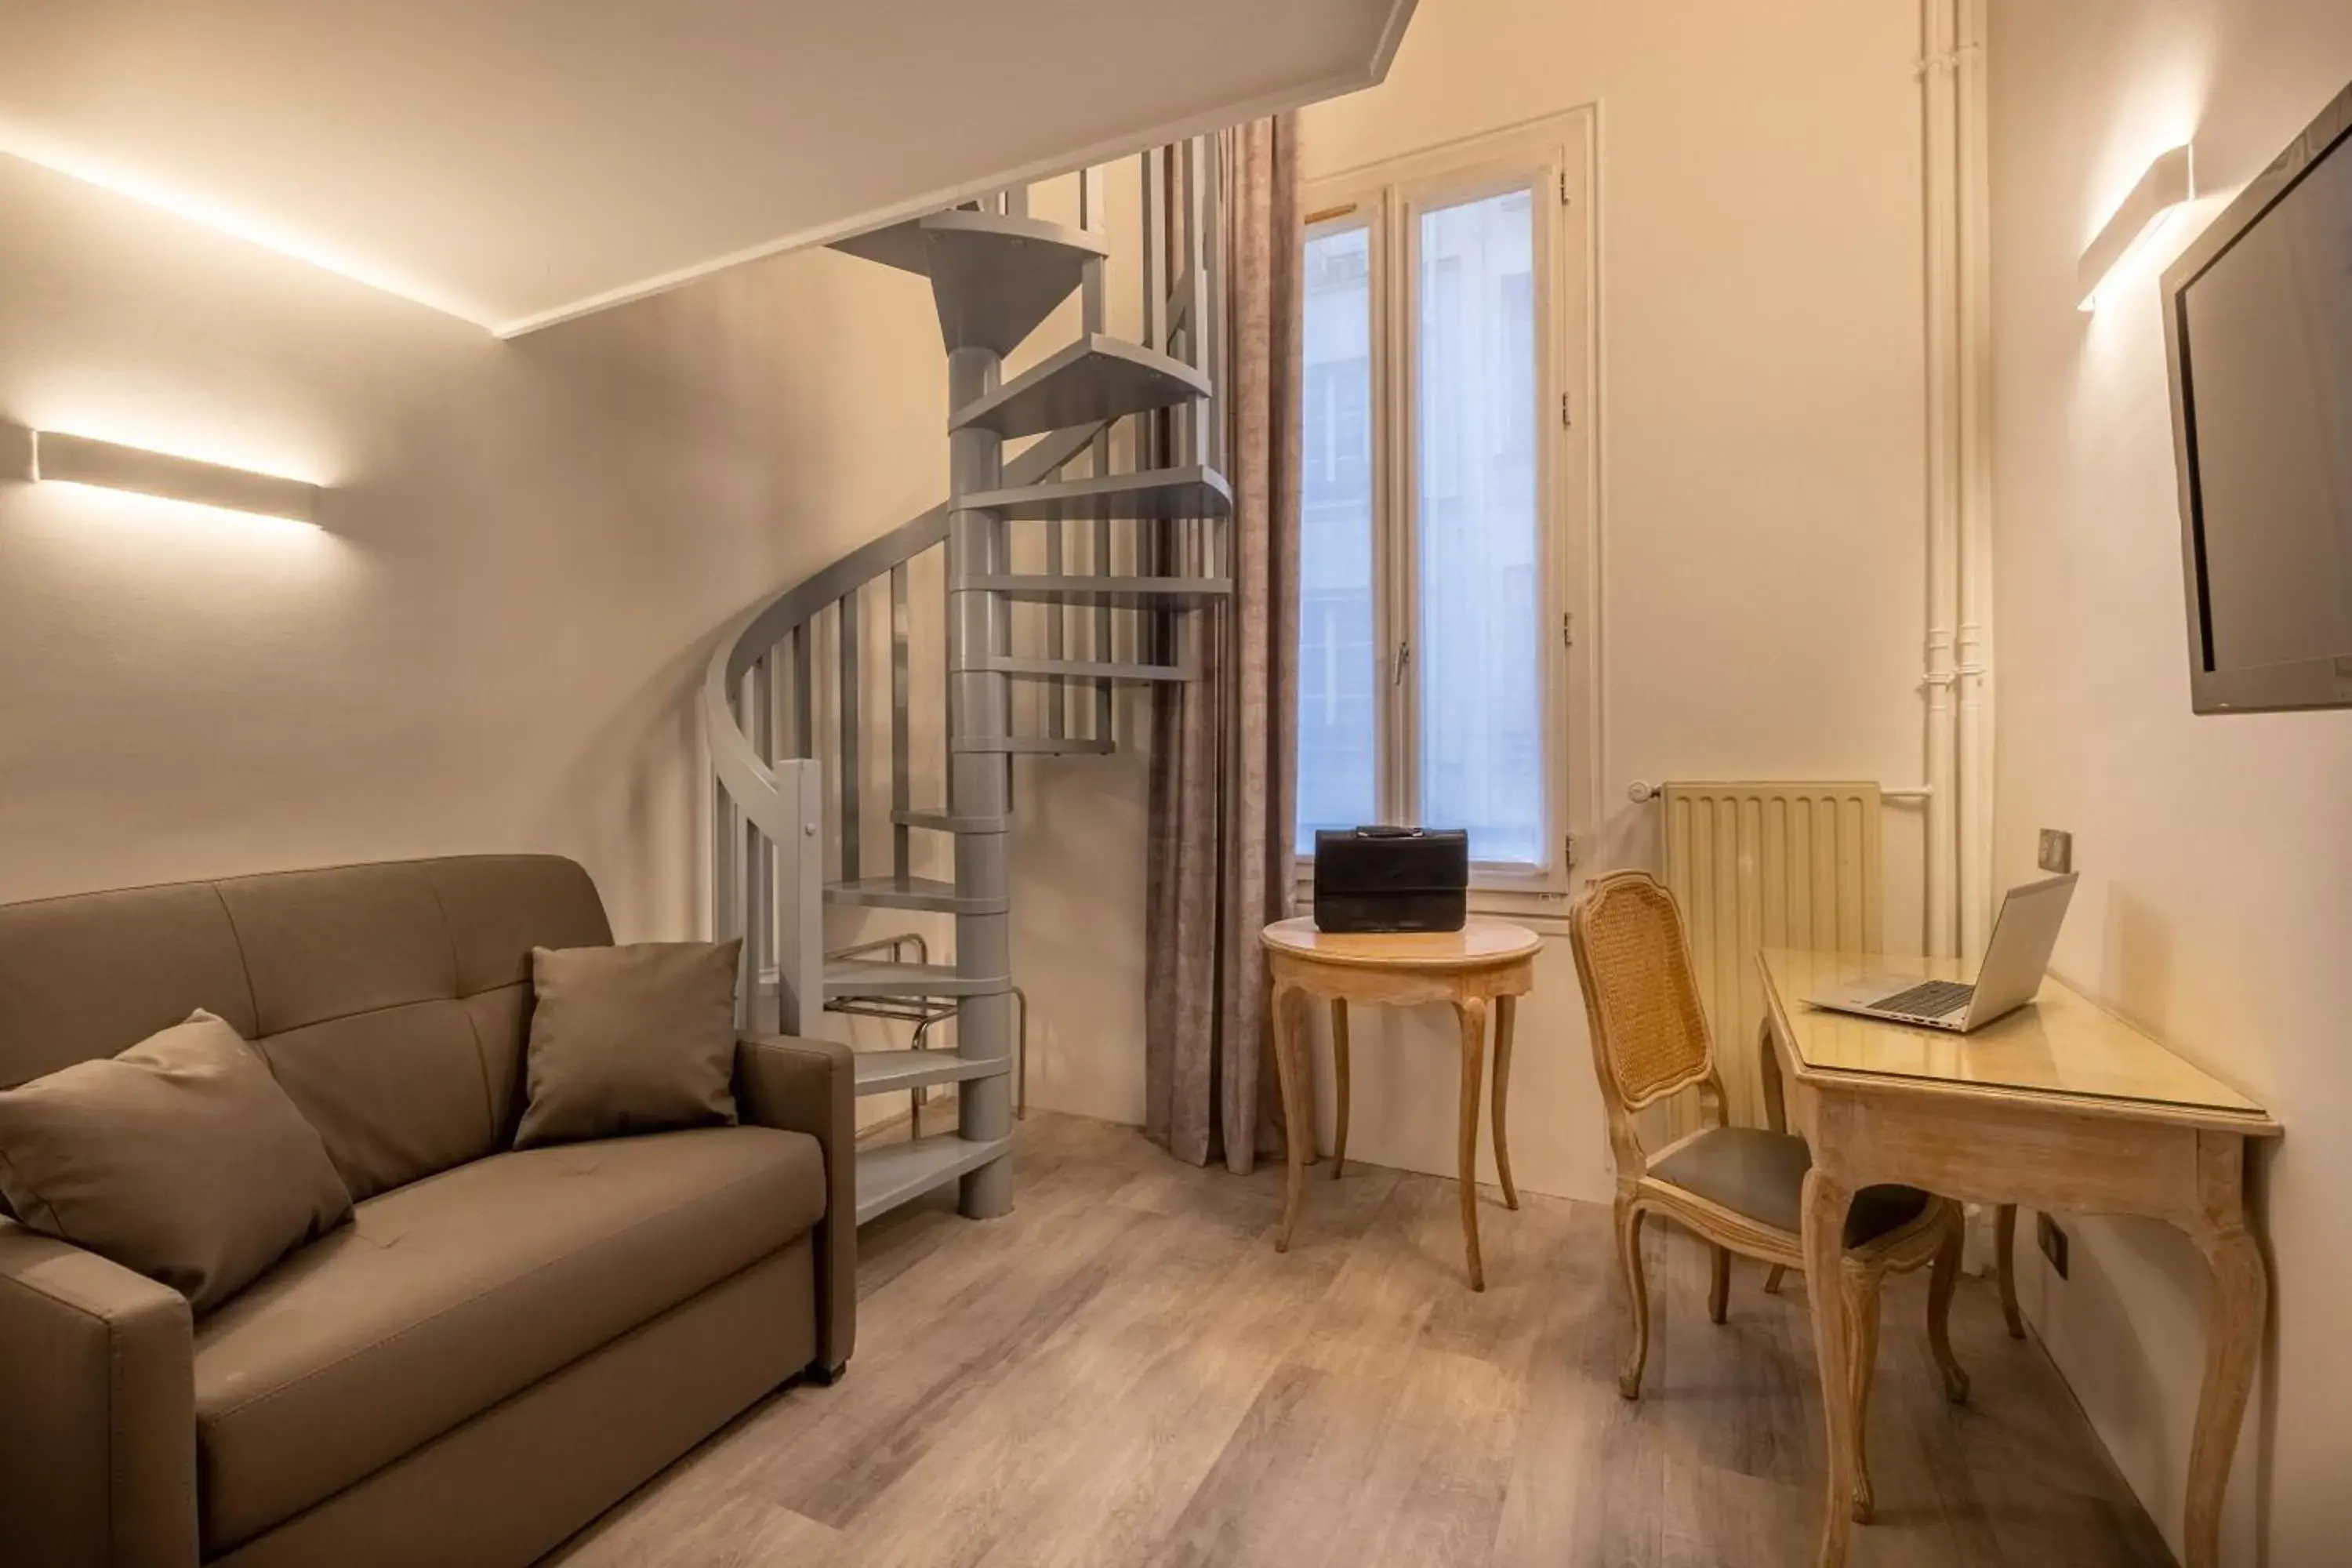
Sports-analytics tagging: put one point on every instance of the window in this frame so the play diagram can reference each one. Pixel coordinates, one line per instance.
(1445, 499)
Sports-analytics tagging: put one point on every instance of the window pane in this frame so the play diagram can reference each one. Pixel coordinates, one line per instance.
(1479, 650)
(1338, 674)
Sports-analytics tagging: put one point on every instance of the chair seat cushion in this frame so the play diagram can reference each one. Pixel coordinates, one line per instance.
(1761, 1174)
(447, 1296)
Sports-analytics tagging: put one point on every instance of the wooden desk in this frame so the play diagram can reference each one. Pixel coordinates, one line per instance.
(1486, 961)
(2060, 1105)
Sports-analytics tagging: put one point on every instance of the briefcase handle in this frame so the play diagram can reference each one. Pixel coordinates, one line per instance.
(1386, 831)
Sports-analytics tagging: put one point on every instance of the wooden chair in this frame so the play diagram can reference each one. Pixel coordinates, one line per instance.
(1740, 1188)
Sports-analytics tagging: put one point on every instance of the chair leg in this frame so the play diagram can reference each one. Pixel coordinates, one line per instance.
(1637, 1296)
(1943, 1279)
(1718, 1286)
(1773, 1279)
(1861, 1295)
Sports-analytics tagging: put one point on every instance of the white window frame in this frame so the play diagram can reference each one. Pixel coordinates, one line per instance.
(1554, 158)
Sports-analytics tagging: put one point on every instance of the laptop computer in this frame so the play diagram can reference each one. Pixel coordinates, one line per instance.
(2016, 957)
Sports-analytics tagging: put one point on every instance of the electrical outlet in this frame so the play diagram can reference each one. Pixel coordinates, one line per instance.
(2053, 1242)
(2057, 850)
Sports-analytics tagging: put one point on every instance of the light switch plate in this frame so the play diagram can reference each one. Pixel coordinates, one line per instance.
(2057, 850)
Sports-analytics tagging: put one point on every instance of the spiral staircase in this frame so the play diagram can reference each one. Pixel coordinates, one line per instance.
(1086, 560)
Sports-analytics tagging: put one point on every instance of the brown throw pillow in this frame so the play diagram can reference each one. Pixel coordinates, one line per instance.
(180, 1157)
(630, 1040)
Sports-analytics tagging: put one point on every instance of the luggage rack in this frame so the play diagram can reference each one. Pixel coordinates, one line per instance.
(922, 1011)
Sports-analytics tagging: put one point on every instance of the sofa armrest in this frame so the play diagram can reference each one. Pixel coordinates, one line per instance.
(809, 1086)
(97, 1384)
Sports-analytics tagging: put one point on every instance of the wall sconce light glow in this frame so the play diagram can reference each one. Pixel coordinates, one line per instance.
(2137, 223)
(48, 456)
(238, 225)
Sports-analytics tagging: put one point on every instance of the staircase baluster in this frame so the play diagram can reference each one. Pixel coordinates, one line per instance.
(1155, 248)
(947, 685)
(759, 886)
(1106, 709)
(1056, 646)
(727, 840)
(804, 703)
(846, 610)
(899, 738)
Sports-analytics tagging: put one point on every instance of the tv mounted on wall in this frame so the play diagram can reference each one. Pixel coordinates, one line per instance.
(2258, 324)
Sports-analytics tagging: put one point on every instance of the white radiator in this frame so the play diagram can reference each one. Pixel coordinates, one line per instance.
(1765, 865)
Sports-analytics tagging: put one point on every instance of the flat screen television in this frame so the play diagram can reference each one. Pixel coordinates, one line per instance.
(2258, 323)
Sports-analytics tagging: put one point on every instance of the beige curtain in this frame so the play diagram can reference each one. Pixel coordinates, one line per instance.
(1223, 775)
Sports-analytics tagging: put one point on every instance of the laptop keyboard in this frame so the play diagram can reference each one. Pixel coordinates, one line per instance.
(1930, 999)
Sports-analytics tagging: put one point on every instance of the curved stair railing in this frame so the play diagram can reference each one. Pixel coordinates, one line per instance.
(1066, 583)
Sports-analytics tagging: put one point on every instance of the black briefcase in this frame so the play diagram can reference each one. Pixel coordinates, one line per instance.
(1391, 879)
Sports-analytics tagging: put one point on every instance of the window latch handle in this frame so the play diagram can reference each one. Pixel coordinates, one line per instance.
(1403, 657)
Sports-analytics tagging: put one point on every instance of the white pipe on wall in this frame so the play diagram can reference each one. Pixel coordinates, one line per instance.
(1973, 646)
(1939, 43)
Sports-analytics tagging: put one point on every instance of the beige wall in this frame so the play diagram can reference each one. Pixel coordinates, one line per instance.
(527, 550)
(2215, 902)
(1761, 547)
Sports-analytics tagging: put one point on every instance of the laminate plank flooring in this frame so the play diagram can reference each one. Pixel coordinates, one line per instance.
(1124, 1374)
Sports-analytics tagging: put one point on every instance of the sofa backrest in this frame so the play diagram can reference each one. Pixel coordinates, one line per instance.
(392, 1001)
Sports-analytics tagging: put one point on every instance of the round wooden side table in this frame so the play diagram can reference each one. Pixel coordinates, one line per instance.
(1487, 963)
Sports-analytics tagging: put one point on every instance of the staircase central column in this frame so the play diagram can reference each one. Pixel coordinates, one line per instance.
(979, 782)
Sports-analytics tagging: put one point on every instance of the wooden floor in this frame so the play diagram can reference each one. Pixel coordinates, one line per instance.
(1123, 1372)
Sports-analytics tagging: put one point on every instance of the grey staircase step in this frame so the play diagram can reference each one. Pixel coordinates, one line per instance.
(1155, 493)
(910, 893)
(995, 277)
(1036, 745)
(1119, 593)
(894, 1173)
(861, 977)
(943, 822)
(884, 1072)
(1097, 377)
(899, 245)
(1090, 669)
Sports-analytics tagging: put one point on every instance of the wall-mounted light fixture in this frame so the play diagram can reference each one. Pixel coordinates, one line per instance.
(2144, 215)
(47, 455)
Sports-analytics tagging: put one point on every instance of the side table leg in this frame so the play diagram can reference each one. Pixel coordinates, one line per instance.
(1295, 1115)
(1339, 1075)
(1473, 1012)
(1507, 1011)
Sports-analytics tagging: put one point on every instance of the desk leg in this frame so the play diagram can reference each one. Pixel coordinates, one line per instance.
(1340, 1074)
(1826, 1201)
(1473, 1012)
(1507, 1009)
(2233, 1334)
(2004, 1246)
(1776, 1117)
(1296, 1114)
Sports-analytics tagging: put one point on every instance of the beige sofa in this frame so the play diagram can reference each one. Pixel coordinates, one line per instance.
(502, 1343)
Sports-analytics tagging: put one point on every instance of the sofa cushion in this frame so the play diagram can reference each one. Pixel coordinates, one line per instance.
(630, 1040)
(448, 1295)
(180, 1159)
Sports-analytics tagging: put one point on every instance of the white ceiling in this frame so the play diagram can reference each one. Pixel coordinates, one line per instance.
(516, 162)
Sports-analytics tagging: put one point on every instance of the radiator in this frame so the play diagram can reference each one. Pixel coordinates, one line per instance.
(1765, 865)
